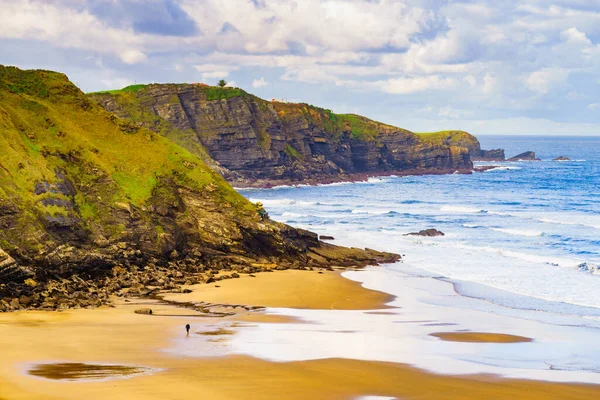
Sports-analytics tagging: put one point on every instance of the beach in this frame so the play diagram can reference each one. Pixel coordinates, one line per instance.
(206, 365)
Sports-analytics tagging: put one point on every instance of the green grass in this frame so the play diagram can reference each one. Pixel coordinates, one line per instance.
(292, 152)
(58, 129)
(126, 89)
(219, 93)
(452, 138)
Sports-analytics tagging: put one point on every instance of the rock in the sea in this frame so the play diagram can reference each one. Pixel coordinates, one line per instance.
(145, 311)
(489, 155)
(325, 237)
(427, 232)
(562, 158)
(526, 156)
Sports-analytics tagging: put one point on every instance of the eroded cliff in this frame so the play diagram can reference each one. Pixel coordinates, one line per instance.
(252, 141)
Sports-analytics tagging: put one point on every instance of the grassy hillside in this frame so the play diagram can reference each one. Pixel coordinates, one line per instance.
(452, 138)
(52, 131)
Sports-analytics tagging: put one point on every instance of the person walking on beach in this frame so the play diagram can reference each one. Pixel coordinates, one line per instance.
(187, 328)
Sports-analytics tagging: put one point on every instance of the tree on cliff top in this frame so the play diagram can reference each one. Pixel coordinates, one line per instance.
(222, 83)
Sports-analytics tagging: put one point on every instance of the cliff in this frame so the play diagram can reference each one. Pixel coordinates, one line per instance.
(252, 141)
(92, 205)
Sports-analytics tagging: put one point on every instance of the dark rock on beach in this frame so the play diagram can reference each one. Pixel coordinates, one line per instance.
(325, 237)
(145, 311)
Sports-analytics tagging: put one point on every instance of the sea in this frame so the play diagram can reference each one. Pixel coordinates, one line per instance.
(522, 235)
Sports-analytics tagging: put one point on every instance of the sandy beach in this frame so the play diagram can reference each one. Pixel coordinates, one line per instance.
(119, 337)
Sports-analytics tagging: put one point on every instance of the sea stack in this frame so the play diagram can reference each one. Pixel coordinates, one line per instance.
(526, 156)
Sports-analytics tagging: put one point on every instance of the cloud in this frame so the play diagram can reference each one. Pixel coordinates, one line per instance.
(133, 56)
(257, 83)
(211, 72)
(544, 80)
(510, 59)
(593, 107)
(574, 35)
(408, 85)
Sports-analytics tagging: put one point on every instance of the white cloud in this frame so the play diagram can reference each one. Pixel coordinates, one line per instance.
(574, 35)
(593, 107)
(214, 71)
(116, 83)
(407, 85)
(206, 76)
(132, 56)
(489, 83)
(257, 83)
(544, 80)
(499, 58)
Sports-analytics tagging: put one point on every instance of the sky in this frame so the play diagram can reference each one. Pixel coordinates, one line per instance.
(488, 67)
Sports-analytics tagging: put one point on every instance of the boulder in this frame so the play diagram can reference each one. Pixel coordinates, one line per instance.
(526, 156)
(325, 237)
(562, 158)
(145, 311)
(427, 232)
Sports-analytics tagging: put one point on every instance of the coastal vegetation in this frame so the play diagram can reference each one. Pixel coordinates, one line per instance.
(83, 192)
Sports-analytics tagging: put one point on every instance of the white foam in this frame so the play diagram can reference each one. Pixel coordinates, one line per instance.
(403, 335)
(570, 222)
(291, 214)
(471, 226)
(503, 168)
(461, 209)
(518, 232)
(371, 212)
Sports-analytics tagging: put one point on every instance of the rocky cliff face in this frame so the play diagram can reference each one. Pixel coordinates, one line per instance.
(490, 155)
(91, 205)
(255, 140)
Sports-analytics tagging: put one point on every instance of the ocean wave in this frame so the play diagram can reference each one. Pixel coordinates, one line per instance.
(518, 232)
(292, 214)
(471, 226)
(563, 222)
(503, 168)
(373, 212)
(533, 258)
(411, 202)
(286, 202)
(461, 209)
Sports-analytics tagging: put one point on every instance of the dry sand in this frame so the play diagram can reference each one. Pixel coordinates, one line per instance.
(117, 336)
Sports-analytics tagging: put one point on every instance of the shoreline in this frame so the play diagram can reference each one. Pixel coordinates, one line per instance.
(344, 178)
(118, 336)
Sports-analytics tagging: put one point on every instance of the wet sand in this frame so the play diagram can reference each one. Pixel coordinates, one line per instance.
(480, 337)
(117, 336)
(289, 289)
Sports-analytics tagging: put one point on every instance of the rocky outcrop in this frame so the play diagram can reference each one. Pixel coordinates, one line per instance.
(562, 158)
(526, 156)
(489, 155)
(91, 206)
(254, 140)
(427, 232)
